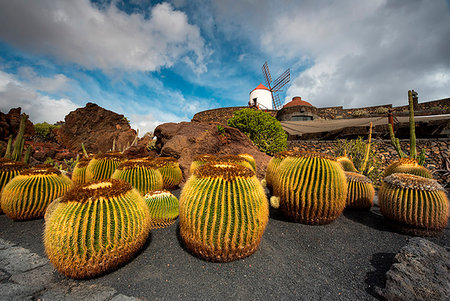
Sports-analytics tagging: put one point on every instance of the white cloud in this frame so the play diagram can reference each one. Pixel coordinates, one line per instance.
(79, 32)
(56, 83)
(40, 108)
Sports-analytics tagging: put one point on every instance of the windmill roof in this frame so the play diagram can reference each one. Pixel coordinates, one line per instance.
(260, 87)
(297, 101)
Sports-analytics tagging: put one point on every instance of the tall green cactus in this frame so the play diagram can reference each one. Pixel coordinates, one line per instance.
(102, 166)
(170, 171)
(311, 188)
(360, 191)
(19, 142)
(141, 174)
(95, 228)
(223, 212)
(413, 204)
(164, 208)
(28, 194)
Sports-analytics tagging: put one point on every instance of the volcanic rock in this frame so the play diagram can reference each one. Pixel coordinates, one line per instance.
(97, 128)
(9, 124)
(420, 272)
(185, 140)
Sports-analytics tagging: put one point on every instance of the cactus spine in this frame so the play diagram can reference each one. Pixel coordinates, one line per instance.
(28, 194)
(250, 160)
(223, 212)
(409, 166)
(95, 228)
(102, 166)
(8, 170)
(237, 160)
(201, 160)
(360, 191)
(170, 171)
(141, 174)
(79, 171)
(413, 204)
(164, 208)
(274, 163)
(312, 188)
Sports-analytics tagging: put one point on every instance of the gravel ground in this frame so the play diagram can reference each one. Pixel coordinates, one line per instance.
(344, 260)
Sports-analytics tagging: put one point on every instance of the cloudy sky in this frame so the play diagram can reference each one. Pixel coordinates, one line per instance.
(163, 61)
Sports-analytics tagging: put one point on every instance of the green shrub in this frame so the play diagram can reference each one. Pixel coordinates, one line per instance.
(44, 129)
(264, 130)
(360, 113)
(356, 149)
(381, 110)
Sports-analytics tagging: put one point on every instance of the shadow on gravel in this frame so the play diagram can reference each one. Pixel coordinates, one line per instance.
(372, 218)
(376, 280)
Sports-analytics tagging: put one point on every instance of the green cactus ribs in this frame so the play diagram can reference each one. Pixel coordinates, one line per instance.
(28, 194)
(311, 187)
(346, 163)
(223, 212)
(409, 166)
(201, 160)
(413, 205)
(8, 170)
(79, 171)
(360, 191)
(95, 228)
(142, 174)
(240, 160)
(170, 171)
(164, 208)
(274, 163)
(250, 160)
(102, 166)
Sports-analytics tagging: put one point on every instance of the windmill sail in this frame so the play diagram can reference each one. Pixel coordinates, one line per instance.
(278, 83)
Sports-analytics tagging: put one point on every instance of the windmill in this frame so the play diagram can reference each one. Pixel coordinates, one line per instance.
(277, 84)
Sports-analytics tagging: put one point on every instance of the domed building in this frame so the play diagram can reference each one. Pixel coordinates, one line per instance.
(297, 110)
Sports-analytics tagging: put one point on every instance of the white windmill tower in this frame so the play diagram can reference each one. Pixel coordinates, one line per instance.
(263, 96)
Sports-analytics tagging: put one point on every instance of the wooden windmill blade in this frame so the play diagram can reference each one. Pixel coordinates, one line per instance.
(266, 74)
(282, 80)
(276, 101)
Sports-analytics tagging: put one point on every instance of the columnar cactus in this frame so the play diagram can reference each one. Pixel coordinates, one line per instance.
(102, 166)
(413, 204)
(170, 171)
(142, 174)
(237, 160)
(360, 191)
(95, 228)
(274, 163)
(164, 208)
(346, 163)
(409, 166)
(250, 160)
(223, 212)
(28, 194)
(201, 160)
(79, 171)
(8, 170)
(311, 187)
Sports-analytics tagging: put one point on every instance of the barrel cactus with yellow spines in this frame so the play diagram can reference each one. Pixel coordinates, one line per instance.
(250, 160)
(164, 208)
(142, 174)
(95, 228)
(223, 212)
(236, 160)
(346, 163)
(360, 191)
(201, 160)
(102, 166)
(28, 194)
(409, 166)
(311, 187)
(8, 170)
(170, 171)
(272, 166)
(413, 204)
(79, 171)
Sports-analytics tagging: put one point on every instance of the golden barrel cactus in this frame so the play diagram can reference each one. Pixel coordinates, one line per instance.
(250, 160)
(142, 174)
(8, 170)
(271, 170)
(360, 191)
(201, 160)
(239, 160)
(95, 228)
(413, 204)
(79, 171)
(223, 212)
(164, 208)
(311, 187)
(28, 194)
(102, 166)
(346, 163)
(170, 171)
(409, 166)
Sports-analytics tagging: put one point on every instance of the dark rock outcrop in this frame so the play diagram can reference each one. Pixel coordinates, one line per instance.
(420, 272)
(9, 124)
(185, 140)
(96, 127)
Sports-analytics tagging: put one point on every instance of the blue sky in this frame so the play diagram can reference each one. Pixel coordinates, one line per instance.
(163, 61)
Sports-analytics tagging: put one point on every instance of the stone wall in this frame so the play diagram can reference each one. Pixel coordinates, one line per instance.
(221, 115)
(437, 150)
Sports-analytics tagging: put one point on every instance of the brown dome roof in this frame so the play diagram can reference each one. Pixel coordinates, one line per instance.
(297, 101)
